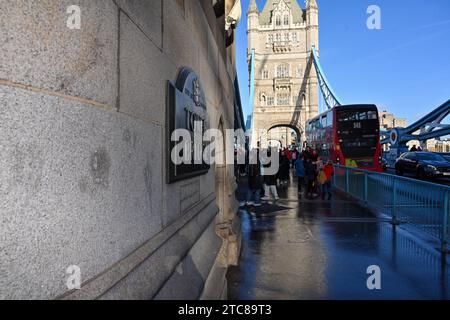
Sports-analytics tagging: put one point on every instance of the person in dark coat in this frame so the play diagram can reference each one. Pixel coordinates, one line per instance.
(307, 153)
(254, 184)
(283, 173)
(310, 174)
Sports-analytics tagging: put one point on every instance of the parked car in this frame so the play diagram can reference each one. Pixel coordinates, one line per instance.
(422, 165)
(445, 155)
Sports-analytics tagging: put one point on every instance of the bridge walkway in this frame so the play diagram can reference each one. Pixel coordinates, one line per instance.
(316, 249)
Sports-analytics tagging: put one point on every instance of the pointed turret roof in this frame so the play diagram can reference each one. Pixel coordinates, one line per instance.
(253, 7)
(266, 14)
(311, 3)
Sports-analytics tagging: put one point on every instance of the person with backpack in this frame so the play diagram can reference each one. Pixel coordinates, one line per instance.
(300, 174)
(321, 180)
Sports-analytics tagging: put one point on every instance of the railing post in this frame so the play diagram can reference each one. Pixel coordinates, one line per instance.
(347, 181)
(366, 187)
(445, 223)
(395, 220)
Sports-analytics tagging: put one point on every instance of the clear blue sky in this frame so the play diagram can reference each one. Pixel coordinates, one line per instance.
(404, 67)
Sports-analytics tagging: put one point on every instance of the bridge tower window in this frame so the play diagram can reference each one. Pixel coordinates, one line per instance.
(278, 38)
(265, 74)
(263, 99)
(284, 99)
(283, 71)
(270, 101)
(278, 21)
(286, 20)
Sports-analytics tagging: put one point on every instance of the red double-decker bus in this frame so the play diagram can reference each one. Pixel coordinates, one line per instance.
(349, 136)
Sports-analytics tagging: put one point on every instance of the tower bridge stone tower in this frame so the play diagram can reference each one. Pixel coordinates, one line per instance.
(286, 84)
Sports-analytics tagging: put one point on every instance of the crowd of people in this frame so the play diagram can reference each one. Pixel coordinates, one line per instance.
(314, 177)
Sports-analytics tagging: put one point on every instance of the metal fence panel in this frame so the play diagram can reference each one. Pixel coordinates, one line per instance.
(424, 205)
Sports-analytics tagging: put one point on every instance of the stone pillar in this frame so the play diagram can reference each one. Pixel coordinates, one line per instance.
(252, 25)
(312, 27)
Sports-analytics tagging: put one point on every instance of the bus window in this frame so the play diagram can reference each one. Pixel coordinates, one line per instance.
(324, 122)
(330, 119)
(343, 116)
(372, 115)
(362, 116)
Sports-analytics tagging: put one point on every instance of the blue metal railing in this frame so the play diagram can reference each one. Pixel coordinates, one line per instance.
(329, 95)
(424, 205)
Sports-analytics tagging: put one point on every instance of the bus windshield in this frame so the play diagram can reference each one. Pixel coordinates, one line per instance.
(346, 116)
(358, 132)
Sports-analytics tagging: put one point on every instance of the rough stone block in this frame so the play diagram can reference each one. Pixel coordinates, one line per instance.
(162, 265)
(147, 15)
(38, 48)
(177, 46)
(79, 186)
(144, 72)
(190, 275)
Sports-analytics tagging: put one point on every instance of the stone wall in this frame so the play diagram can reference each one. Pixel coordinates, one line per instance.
(83, 151)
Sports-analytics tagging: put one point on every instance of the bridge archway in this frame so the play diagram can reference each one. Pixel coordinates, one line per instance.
(286, 134)
(274, 143)
(261, 132)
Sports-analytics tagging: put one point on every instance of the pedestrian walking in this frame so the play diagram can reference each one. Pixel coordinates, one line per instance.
(254, 185)
(319, 164)
(294, 158)
(308, 153)
(329, 173)
(289, 155)
(300, 174)
(283, 173)
(310, 174)
(270, 183)
(321, 180)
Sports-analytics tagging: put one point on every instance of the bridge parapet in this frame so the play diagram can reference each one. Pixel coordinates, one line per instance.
(424, 206)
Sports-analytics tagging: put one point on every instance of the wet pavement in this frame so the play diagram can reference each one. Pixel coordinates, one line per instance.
(302, 250)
